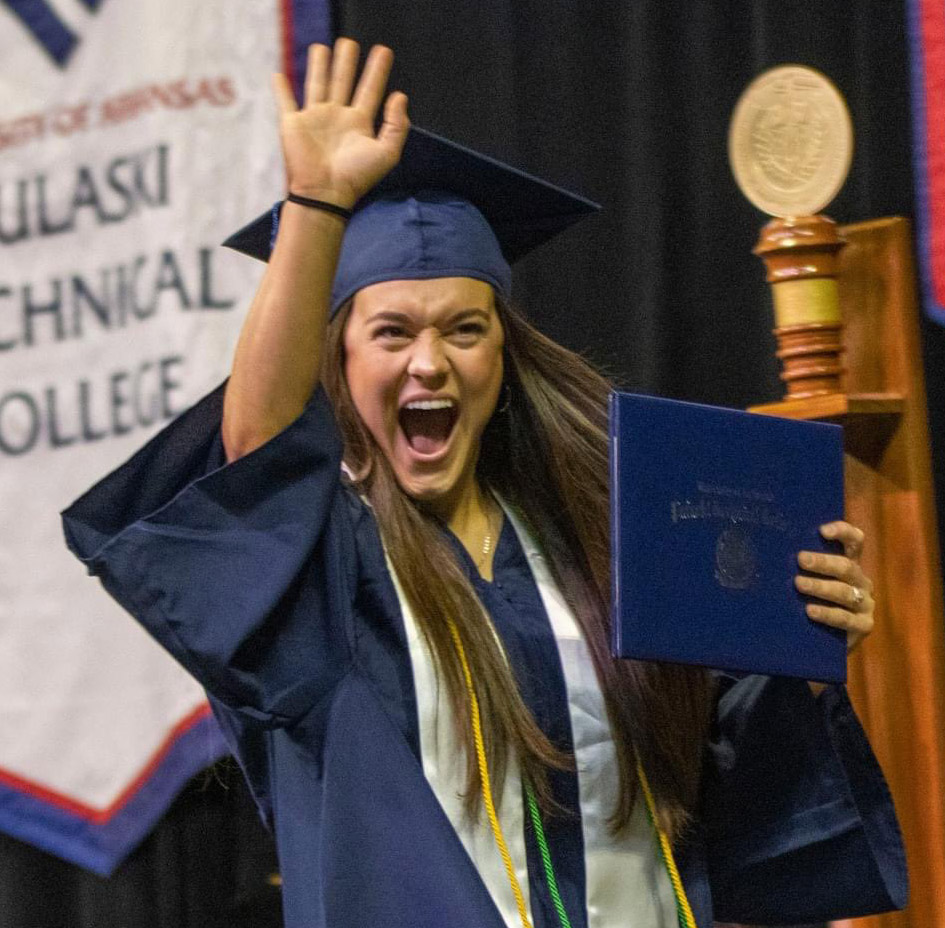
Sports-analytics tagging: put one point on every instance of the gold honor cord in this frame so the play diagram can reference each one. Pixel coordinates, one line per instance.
(683, 910)
(484, 778)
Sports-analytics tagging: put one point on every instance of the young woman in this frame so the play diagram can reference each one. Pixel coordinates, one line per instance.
(410, 658)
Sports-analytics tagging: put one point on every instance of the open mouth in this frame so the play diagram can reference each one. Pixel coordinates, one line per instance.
(428, 424)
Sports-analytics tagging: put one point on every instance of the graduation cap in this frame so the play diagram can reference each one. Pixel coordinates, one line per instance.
(443, 211)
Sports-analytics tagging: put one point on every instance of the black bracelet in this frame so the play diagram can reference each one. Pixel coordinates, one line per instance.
(319, 204)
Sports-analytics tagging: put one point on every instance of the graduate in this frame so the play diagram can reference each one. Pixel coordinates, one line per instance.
(383, 549)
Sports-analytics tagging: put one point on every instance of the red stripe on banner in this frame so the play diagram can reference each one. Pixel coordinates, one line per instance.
(932, 14)
(102, 816)
(288, 44)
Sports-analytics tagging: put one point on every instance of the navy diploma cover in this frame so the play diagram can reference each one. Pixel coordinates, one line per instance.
(709, 508)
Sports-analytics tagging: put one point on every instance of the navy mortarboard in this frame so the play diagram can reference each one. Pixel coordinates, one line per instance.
(444, 211)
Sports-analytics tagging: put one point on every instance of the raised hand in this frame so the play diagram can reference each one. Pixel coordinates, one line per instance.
(330, 147)
(844, 591)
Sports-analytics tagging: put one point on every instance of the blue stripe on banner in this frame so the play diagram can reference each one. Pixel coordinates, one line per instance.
(933, 309)
(93, 5)
(46, 27)
(101, 848)
(919, 155)
(311, 22)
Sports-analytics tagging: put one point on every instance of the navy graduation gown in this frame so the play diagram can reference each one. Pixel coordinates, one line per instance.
(266, 579)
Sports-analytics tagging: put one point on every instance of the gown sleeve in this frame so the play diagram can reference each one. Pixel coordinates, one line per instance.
(239, 570)
(799, 822)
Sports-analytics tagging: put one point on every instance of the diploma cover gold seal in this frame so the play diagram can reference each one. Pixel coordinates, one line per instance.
(790, 141)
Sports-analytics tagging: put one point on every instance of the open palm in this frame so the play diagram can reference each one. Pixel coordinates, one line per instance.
(331, 149)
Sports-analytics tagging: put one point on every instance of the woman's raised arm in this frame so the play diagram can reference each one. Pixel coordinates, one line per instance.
(332, 153)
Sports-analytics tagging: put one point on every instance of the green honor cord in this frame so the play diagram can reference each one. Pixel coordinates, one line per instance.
(545, 856)
(683, 911)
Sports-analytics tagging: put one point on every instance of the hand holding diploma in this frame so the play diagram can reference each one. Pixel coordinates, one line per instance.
(844, 592)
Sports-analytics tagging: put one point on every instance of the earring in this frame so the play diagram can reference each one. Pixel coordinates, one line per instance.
(507, 398)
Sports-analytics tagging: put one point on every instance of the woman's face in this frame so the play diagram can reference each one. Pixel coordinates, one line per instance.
(423, 361)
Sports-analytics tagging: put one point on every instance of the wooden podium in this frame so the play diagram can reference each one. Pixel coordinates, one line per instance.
(897, 679)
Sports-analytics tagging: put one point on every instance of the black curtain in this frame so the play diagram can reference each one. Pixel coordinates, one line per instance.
(628, 103)
(208, 864)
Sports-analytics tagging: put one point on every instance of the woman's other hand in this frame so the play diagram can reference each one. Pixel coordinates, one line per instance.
(844, 592)
(331, 149)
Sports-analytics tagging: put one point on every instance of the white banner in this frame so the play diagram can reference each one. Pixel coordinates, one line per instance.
(122, 167)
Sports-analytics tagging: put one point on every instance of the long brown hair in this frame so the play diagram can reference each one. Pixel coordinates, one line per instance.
(546, 454)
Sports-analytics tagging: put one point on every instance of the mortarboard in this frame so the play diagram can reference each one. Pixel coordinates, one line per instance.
(443, 211)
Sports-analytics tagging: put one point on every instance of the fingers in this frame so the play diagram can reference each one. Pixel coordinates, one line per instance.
(849, 535)
(834, 565)
(850, 596)
(393, 131)
(330, 79)
(344, 67)
(316, 75)
(371, 86)
(331, 73)
(285, 98)
(848, 593)
(857, 625)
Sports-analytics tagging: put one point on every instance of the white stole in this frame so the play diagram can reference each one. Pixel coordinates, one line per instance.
(627, 885)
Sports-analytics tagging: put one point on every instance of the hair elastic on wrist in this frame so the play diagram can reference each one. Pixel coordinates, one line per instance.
(319, 204)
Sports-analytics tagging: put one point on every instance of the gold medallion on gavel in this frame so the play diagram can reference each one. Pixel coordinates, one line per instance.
(790, 144)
